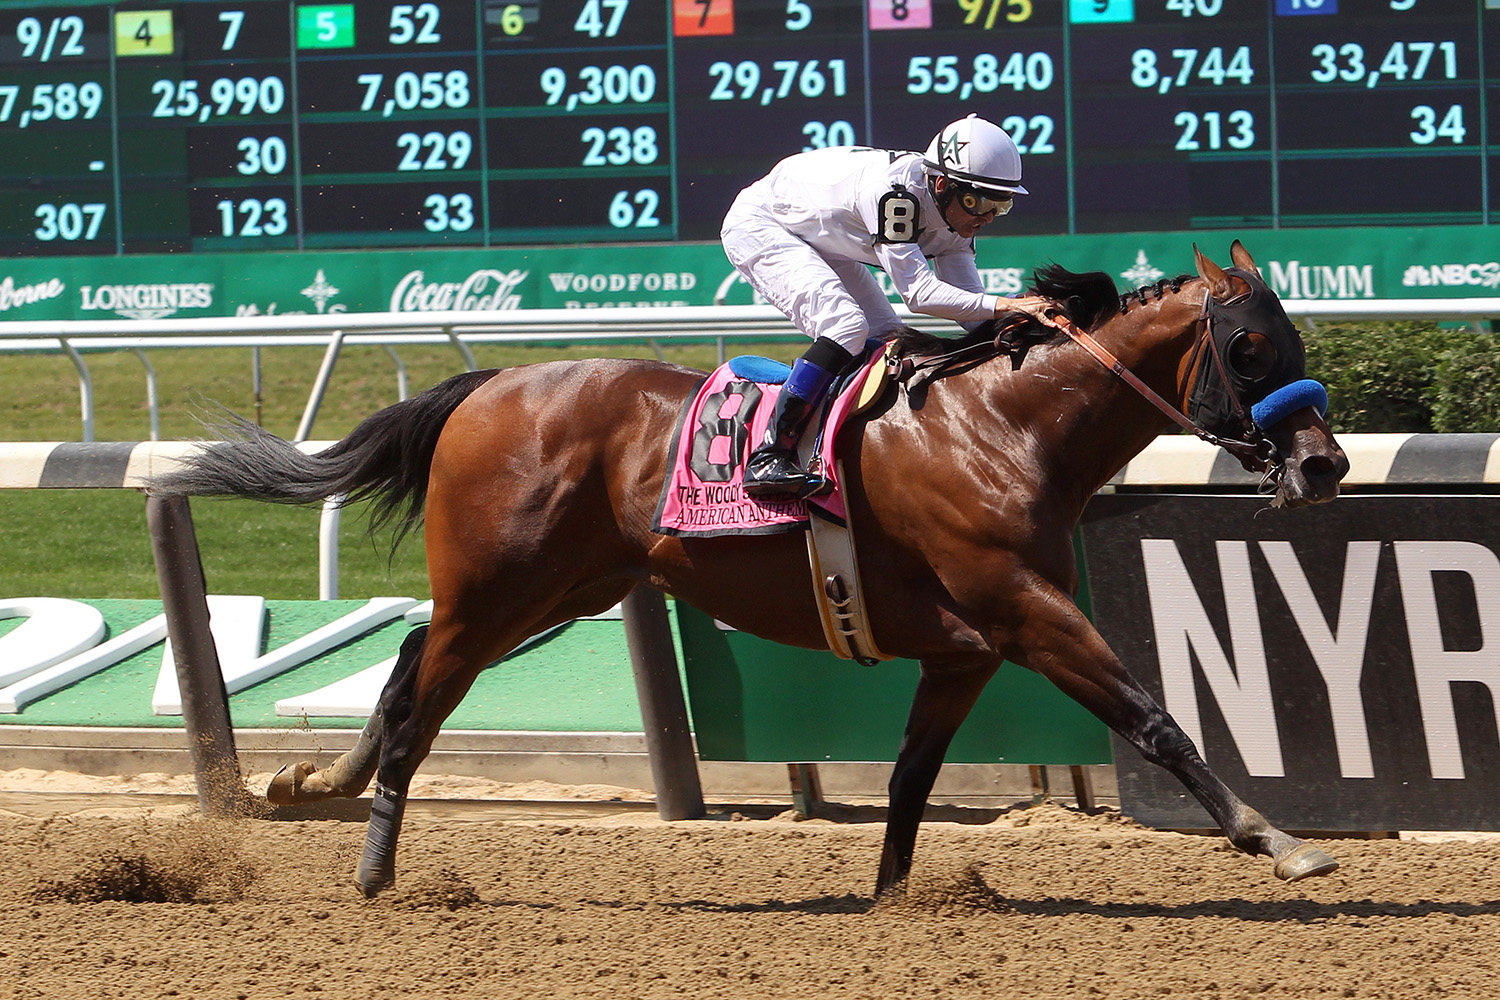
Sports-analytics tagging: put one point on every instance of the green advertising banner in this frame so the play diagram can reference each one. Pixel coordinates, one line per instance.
(1435, 262)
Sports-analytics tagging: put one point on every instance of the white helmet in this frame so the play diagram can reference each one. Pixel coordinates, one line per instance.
(978, 153)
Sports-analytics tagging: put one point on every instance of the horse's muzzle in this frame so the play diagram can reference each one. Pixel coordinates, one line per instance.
(1314, 462)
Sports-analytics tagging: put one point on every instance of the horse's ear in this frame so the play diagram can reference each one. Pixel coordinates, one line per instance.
(1219, 284)
(1242, 258)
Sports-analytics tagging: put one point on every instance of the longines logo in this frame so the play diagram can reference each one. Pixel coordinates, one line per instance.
(146, 301)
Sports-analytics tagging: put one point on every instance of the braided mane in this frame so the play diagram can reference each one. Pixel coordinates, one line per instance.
(1088, 299)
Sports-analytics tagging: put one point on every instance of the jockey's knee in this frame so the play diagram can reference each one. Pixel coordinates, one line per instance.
(831, 355)
(847, 335)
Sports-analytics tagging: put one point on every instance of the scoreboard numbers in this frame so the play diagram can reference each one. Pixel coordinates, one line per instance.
(301, 124)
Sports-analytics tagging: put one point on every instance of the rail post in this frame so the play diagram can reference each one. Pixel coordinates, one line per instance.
(669, 740)
(205, 703)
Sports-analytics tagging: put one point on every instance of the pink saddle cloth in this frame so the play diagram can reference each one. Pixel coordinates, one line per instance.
(704, 495)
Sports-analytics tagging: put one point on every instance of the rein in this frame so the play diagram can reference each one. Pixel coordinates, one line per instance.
(1254, 451)
(1257, 448)
(914, 373)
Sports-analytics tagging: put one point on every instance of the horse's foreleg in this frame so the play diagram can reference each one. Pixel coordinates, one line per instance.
(1060, 643)
(945, 694)
(1161, 740)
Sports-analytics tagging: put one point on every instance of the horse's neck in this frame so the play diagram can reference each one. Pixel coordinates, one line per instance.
(1096, 422)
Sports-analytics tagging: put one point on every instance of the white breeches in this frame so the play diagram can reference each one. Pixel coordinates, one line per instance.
(835, 298)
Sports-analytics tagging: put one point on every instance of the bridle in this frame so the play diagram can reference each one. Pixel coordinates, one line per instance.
(1255, 451)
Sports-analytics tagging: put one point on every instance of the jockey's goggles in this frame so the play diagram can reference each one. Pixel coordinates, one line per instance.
(979, 204)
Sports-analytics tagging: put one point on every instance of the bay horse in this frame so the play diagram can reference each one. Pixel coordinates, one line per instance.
(538, 485)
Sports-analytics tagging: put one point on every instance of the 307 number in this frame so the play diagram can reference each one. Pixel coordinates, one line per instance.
(70, 222)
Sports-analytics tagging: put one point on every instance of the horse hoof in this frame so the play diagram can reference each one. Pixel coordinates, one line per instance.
(372, 882)
(1303, 862)
(285, 788)
(371, 889)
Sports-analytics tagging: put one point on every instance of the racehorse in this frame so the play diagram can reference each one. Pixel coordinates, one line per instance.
(539, 483)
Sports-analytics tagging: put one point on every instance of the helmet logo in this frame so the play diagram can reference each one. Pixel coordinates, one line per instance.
(951, 148)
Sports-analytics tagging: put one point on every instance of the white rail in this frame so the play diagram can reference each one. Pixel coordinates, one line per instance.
(461, 330)
(1463, 462)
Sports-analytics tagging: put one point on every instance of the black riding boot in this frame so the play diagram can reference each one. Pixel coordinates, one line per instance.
(772, 471)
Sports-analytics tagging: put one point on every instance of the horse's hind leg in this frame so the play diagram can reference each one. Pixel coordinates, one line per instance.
(412, 714)
(349, 775)
(460, 642)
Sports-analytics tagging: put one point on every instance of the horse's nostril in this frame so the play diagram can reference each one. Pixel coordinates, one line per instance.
(1318, 466)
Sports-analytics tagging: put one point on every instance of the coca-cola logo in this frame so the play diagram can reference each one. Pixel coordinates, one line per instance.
(482, 290)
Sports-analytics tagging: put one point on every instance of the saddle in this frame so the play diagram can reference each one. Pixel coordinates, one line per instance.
(704, 496)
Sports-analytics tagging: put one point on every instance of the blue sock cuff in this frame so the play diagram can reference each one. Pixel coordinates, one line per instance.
(807, 381)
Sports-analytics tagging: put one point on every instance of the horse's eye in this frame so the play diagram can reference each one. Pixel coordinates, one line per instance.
(1252, 355)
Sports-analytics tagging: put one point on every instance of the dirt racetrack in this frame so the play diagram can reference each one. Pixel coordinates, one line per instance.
(1037, 902)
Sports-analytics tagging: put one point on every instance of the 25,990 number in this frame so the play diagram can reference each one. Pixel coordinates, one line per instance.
(70, 222)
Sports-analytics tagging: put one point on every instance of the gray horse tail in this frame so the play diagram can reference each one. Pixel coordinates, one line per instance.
(385, 460)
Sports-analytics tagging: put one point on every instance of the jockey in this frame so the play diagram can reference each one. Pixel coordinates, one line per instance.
(803, 235)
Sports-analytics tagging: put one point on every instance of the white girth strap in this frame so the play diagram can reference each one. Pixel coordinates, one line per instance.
(837, 589)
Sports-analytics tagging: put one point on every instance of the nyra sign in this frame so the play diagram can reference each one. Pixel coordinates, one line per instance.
(1338, 666)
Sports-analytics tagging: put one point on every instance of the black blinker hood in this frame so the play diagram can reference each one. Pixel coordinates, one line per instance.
(1212, 402)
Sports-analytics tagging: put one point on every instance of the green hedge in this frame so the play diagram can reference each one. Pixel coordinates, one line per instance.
(1416, 377)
